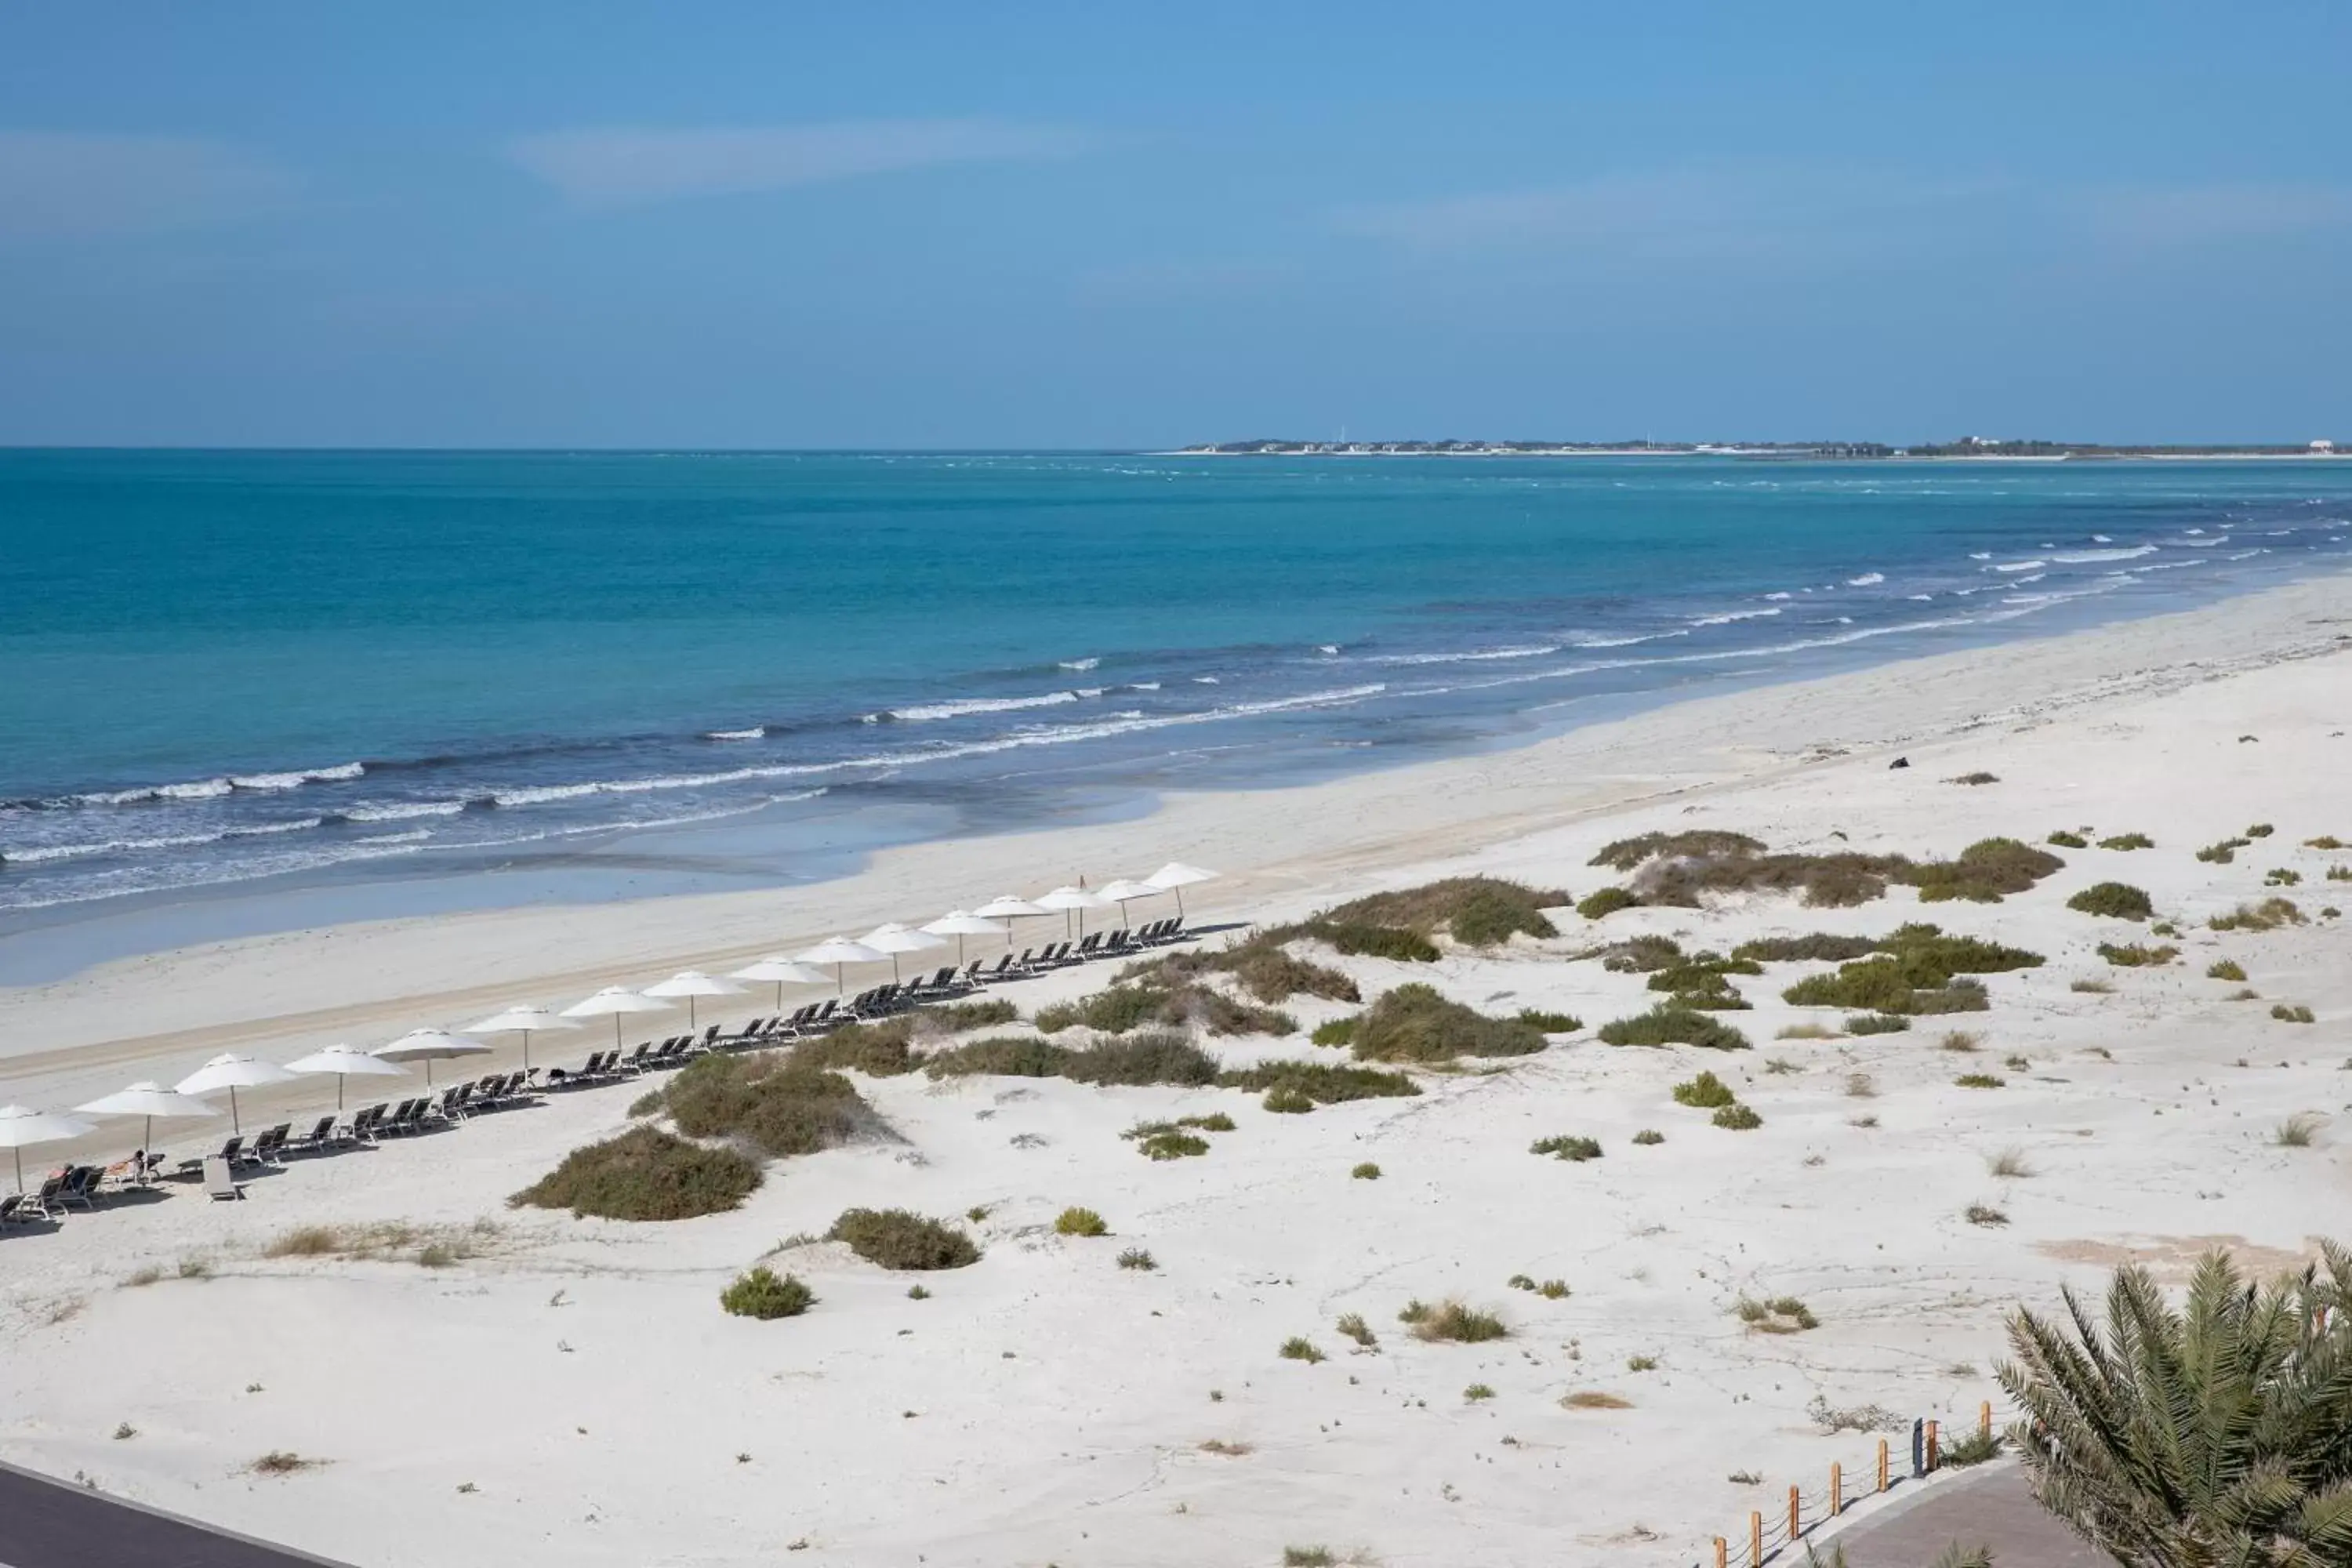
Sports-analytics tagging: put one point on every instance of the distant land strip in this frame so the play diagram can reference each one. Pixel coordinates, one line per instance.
(1965, 447)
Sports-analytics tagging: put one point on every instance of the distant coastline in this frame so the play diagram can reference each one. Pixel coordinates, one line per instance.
(1967, 448)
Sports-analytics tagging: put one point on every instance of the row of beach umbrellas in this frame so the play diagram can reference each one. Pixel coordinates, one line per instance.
(22, 1127)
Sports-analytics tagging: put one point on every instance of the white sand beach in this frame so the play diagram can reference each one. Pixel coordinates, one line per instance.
(567, 1390)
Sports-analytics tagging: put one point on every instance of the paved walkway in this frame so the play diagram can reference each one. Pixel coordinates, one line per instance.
(1991, 1508)
(56, 1524)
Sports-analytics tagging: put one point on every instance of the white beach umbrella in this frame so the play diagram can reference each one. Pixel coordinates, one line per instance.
(1120, 891)
(347, 1061)
(835, 951)
(691, 984)
(21, 1127)
(524, 1021)
(1176, 876)
(149, 1100)
(1009, 909)
(894, 938)
(615, 1002)
(961, 923)
(429, 1046)
(1071, 900)
(780, 971)
(231, 1072)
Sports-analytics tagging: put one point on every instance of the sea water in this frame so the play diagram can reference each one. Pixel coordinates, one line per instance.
(231, 670)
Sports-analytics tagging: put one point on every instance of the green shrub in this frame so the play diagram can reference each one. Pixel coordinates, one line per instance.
(1641, 954)
(1551, 1023)
(1642, 1364)
(2118, 901)
(759, 1294)
(1147, 1057)
(1337, 1032)
(1563, 1147)
(2065, 840)
(1286, 1099)
(1704, 1092)
(1452, 1321)
(1082, 1222)
(1606, 901)
(2127, 841)
(645, 1175)
(1983, 873)
(879, 1049)
(1777, 1315)
(1001, 1055)
(2293, 1014)
(1796, 949)
(1973, 1448)
(1172, 1145)
(1984, 1214)
(1298, 1347)
(2223, 853)
(1877, 1024)
(1668, 1025)
(896, 1238)
(2281, 877)
(1320, 1082)
(1979, 777)
(1627, 854)
(1648, 1136)
(2268, 915)
(2298, 1131)
(772, 1100)
(1918, 969)
(1353, 1327)
(1737, 1119)
(1478, 911)
(2261, 830)
(1215, 1122)
(1478, 1392)
(1980, 1081)
(954, 1017)
(1366, 1171)
(1137, 1258)
(2326, 841)
(1415, 1022)
(1377, 942)
(2224, 969)
(1703, 986)
(1553, 1289)
(2135, 957)
(1132, 1004)
(646, 1104)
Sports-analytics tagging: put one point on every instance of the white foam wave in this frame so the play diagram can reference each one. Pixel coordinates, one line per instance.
(401, 810)
(1867, 580)
(2020, 566)
(2208, 543)
(757, 732)
(40, 855)
(1204, 680)
(963, 707)
(298, 778)
(1474, 655)
(2085, 557)
(1728, 617)
(1080, 664)
(2102, 539)
(1145, 685)
(1628, 641)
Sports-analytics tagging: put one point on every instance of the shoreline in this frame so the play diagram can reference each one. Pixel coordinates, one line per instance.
(1281, 850)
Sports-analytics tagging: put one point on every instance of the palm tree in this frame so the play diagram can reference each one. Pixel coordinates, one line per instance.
(2218, 1436)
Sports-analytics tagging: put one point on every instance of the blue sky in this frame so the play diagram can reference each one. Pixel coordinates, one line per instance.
(1087, 224)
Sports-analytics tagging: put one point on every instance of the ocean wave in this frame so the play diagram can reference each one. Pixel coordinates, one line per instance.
(1779, 596)
(1144, 685)
(1728, 617)
(46, 854)
(1867, 580)
(757, 732)
(401, 810)
(2085, 557)
(1628, 641)
(1080, 665)
(200, 789)
(1204, 680)
(2208, 543)
(1475, 656)
(2035, 565)
(298, 778)
(963, 707)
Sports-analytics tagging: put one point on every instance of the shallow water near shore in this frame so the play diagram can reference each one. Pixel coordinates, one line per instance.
(251, 691)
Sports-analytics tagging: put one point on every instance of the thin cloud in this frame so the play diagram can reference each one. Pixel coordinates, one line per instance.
(69, 185)
(621, 164)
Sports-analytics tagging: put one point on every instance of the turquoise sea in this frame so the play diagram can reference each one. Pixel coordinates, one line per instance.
(251, 671)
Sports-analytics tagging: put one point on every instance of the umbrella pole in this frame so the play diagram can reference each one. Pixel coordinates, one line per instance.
(525, 1052)
(149, 1142)
(20, 1173)
(235, 1125)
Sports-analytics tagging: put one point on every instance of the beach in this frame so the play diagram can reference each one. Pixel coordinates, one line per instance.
(567, 1389)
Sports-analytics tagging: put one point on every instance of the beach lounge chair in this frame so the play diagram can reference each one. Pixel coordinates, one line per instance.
(268, 1148)
(219, 1182)
(10, 1206)
(321, 1134)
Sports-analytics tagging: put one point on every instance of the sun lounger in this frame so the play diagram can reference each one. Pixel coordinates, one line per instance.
(219, 1182)
(321, 1135)
(11, 1209)
(270, 1145)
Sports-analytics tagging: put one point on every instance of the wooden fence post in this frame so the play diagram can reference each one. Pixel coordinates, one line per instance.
(1755, 1539)
(1796, 1516)
(1931, 1447)
(1722, 1553)
(1881, 1464)
(1837, 1489)
(1984, 1419)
